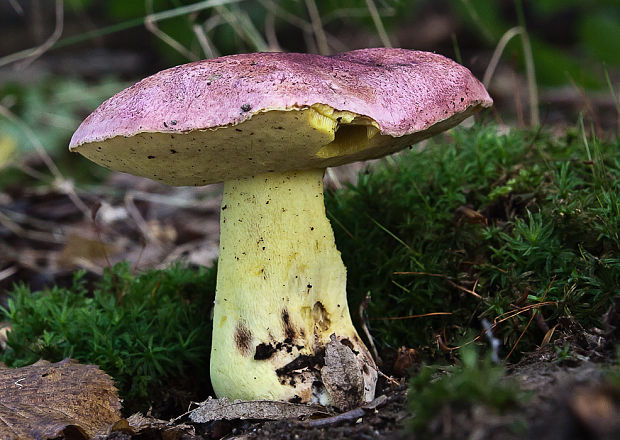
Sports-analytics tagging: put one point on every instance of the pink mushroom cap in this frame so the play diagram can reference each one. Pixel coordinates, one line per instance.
(408, 95)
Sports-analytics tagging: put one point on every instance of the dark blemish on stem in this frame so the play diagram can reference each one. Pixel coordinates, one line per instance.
(264, 351)
(150, 157)
(289, 331)
(243, 338)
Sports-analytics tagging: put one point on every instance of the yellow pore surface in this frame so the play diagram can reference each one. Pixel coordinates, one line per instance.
(276, 140)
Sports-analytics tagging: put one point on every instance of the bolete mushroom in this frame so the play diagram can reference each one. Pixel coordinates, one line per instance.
(267, 125)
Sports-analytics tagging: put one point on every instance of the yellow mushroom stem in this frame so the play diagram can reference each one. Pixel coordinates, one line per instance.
(281, 292)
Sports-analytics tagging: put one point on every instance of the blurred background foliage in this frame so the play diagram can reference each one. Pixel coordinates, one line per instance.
(101, 46)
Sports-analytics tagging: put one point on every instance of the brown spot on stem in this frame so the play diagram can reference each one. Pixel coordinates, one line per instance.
(289, 330)
(243, 338)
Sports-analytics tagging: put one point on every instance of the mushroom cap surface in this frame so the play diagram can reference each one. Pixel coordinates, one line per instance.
(247, 114)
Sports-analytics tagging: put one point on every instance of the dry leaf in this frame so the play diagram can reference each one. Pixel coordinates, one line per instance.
(598, 410)
(548, 336)
(405, 358)
(224, 409)
(141, 425)
(43, 400)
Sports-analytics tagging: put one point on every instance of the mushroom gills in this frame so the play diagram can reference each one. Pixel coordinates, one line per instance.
(352, 132)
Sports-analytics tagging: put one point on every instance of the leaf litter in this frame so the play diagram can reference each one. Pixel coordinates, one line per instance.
(48, 401)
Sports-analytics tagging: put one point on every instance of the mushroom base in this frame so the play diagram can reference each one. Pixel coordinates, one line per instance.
(281, 325)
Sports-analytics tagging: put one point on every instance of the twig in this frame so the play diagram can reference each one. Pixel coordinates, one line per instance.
(512, 313)
(445, 277)
(530, 321)
(17, 7)
(497, 53)
(8, 272)
(243, 27)
(270, 31)
(151, 25)
(394, 318)
(530, 72)
(158, 16)
(63, 184)
(376, 19)
(40, 50)
(317, 27)
(529, 67)
(348, 416)
(138, 219)
(496, 322)
(205, 43)
(363, 320)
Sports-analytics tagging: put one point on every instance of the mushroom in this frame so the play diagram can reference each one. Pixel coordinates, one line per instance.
(268, 125)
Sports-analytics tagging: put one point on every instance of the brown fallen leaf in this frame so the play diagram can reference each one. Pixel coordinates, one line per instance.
(405, 359)
(224, 409)
(146, 426)
(598, 410)
(44, 400)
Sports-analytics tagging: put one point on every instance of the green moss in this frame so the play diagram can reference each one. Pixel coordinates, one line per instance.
(520, 216)
(147, 331)
(475, 382)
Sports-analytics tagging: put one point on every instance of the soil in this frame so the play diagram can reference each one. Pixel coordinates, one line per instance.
(570, 398)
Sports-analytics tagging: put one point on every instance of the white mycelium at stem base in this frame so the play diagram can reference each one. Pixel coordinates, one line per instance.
(281, 292)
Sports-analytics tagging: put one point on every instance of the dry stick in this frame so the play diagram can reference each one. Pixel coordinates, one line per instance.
(294, 20)
(17, 229)
(530, 72)
(270, 31)
(317, 27)
(62, 183)
(40, 50)
(360, 311)
(376, 18)
(17, 7)
(348, 416)
(138, 219)
(394, 318)
(496, 322)
(158, 16)
(205, 43)
(151, 25)
(497, 53)
(243, 27)
(512, 313)
(250, 30)
(452, 283)
(529, 67)
(530, 321)
(8, 272)
(93, 215)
